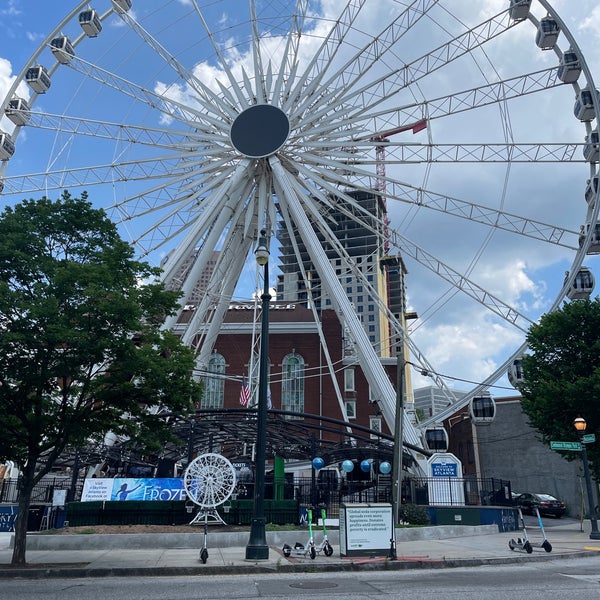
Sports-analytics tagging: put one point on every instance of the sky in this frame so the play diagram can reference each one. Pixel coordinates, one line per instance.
(462, 339)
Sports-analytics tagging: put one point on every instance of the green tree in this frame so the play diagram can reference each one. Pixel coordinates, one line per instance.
(81, 346)
(562, 375)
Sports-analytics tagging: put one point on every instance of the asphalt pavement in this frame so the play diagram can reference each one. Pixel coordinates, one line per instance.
(81, 555)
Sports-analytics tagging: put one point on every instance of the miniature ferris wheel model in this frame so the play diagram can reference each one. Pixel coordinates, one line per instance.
(445, 130)
(209, 481)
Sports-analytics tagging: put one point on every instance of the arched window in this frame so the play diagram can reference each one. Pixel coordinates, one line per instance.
(292, 385)
(214, 385)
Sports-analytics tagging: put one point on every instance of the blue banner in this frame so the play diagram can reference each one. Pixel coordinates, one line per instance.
(122, 489)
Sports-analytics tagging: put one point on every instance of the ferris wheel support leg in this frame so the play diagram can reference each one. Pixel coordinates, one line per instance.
(369, 361)
(208, 514)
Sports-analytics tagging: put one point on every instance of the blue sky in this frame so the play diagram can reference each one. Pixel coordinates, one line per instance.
(461, 339)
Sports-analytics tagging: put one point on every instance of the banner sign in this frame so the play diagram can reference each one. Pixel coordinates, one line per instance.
(8, 516)
(121, 489)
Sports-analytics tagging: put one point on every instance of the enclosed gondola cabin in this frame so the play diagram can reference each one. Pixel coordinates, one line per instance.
(591, 148)
(121, 6)
(594, 247)
(591, 190)
(7, 147)
(569, 68)
(90, 22)
(482, 409)
(436, 439)
(515, 373)
(62, 49)
(584, 105)
(519, 9)
(1, 186)
(38, 79)
(17, 111)
(582, 286)
(547, 33)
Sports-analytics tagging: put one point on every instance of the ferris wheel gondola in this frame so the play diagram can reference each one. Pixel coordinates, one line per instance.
(482, 409)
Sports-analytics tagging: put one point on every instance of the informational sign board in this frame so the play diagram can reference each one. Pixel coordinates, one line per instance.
(59, 497)
(121, 489)
(365, 529)
(445, 472)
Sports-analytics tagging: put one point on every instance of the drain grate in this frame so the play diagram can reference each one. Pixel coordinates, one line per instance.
(314, 585)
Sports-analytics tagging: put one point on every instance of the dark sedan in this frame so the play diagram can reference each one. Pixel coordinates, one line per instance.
(547, 505)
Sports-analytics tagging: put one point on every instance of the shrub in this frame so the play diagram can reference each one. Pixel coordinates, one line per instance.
(414, 514)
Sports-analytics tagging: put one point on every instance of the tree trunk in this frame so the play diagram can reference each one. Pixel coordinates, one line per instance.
(25, 490)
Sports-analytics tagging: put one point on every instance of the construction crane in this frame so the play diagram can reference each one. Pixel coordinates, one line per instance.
(381, 183)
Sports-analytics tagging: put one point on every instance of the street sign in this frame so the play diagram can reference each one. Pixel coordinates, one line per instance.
(565, 446)
(588, 438)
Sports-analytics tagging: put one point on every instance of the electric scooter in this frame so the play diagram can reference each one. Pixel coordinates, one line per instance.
(523, 544)
(324, 546)
(304, 550)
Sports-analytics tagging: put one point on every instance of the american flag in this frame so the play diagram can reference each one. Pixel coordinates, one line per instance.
(244, 393)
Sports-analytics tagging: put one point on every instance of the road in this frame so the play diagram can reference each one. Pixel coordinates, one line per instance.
(561, 579)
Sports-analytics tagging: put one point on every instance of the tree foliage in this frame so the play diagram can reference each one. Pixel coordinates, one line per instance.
(562, 375)
(81, 346)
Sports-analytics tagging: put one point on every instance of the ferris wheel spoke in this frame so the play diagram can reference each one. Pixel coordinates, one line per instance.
(139, 170)
(161, 102)
(390, 84)
(461, 101)
(398, 153)
(486, 215)
(223, 62)
(315, 70)
(206, 322)
(208, 99)
(220, 206)
(460, 282)
(155, 137)
(347, 76)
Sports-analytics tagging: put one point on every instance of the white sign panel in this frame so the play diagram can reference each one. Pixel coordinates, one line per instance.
(365, 529)
(445, 479)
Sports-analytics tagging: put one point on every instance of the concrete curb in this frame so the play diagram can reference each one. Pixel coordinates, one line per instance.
(222, 539)
(62, 572)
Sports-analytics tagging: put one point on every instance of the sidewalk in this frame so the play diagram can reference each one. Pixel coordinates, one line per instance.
(463, 546)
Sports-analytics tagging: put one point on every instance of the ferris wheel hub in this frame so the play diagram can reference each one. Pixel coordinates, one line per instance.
(260, 131)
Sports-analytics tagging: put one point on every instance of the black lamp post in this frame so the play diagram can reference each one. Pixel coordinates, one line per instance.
(580, 425)
(257, 547)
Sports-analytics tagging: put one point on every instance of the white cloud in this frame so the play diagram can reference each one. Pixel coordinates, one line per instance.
(589, 24)
(11, 9)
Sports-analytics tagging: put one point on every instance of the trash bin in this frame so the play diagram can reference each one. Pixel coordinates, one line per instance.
(35, 516)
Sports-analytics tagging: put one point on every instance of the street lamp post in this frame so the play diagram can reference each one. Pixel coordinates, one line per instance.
(580, 425)
(398, 444)
(257, 547)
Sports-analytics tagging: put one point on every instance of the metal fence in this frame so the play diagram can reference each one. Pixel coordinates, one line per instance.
(434, 491)
(304, 492)
(42, 493)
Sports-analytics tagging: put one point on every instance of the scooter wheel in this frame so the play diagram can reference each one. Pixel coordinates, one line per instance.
(313, 552)
(511, 544)
(528, 547)
(547, 546)
(204, 555)
(287, 551)
(328, 550)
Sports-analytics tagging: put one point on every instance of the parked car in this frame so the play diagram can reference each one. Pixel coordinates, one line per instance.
(545, 503)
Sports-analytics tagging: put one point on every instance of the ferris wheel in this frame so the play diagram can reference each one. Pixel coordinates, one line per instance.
(196, 125)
